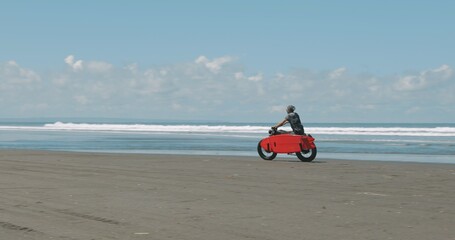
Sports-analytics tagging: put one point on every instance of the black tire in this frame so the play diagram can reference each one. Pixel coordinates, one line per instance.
(307, 156)
(264, 154)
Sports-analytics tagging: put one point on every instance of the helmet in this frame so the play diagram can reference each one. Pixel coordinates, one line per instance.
(290, 109)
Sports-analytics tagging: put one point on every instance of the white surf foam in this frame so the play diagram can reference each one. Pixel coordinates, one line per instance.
(246, 129)
(387, 131)
(156, 128)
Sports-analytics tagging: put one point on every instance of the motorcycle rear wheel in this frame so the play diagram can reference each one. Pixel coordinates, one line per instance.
(264, 154)
(307, 156)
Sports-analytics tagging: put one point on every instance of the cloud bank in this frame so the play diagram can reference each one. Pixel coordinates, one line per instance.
(225, 90)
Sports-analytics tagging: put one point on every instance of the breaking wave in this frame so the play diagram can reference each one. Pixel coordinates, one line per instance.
(245, 129)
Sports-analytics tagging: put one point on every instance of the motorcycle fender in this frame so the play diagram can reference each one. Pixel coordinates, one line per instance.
(308, 142)
(266, 144)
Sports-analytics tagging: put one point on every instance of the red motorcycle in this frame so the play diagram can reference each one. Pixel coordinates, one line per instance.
(285, 142)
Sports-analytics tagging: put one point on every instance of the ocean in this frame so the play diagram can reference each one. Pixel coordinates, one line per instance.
(423, 142)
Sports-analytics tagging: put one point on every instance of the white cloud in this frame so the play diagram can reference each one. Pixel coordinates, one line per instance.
(214, 65)
(201, 59)
(407, 83)
(93, 66)
(69, 60)
(12, 64)
(373, 85)
(132, 68)
(75, 65)
(163, 72)
(279, 76)
(100, 67)
(214, 88)
(256, 78)
(12, 73)
(424, 79)
(337, 73)
(241, 76)
(445, 71)
(61, 80)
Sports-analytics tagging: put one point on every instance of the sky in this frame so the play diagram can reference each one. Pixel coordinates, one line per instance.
(235, 61)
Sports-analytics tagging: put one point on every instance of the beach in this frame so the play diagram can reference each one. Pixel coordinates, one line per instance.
(69, 195)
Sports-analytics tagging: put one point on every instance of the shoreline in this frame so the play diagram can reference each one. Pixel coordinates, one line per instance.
(357, 157)
(74, 195)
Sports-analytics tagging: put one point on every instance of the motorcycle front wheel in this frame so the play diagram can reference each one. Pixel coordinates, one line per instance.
(264, 154)
(308, 155)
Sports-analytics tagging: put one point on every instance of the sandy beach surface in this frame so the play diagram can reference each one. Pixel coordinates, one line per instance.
(59, 195)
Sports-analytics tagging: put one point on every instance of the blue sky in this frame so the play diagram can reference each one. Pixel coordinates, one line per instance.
(337, 61)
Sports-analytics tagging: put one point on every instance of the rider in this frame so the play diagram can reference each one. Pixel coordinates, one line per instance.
(294, 119)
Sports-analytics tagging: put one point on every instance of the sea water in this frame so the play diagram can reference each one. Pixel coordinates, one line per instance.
(389, 142)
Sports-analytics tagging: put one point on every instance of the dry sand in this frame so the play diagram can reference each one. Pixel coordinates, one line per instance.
(55, 195)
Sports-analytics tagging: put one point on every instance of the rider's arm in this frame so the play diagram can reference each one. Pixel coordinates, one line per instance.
(281, 123)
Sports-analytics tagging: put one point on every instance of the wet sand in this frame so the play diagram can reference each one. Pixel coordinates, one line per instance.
(58, 195)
